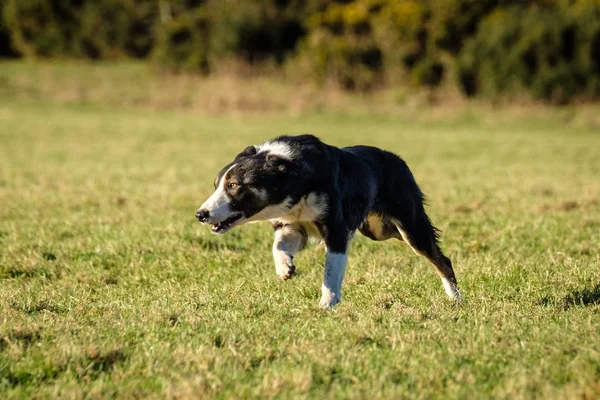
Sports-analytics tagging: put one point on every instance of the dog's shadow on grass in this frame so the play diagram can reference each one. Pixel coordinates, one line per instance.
(584, 297)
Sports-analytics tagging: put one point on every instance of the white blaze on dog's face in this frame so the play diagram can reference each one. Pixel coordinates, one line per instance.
(218, 205)
(254, 183)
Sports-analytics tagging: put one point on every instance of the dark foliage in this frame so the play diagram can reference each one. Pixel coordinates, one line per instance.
(549, 49)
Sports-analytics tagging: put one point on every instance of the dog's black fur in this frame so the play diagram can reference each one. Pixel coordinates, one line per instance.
(352, 188)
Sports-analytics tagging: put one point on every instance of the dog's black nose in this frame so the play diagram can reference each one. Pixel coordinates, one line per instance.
(202, 215)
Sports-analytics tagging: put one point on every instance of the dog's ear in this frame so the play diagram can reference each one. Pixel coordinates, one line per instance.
(248, 151)
(282, 164)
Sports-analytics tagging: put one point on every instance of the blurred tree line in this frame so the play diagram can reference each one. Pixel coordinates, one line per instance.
(549, 49)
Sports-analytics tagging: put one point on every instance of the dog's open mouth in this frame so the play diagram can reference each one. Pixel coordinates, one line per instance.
(224, 226)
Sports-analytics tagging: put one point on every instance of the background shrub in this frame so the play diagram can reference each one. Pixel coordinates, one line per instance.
(547, 49)
(257, 31)
(551, 50)
(116, 28)
(41, 27)
(195, 35)
(342, 45)
(183, 36)
(105, 29)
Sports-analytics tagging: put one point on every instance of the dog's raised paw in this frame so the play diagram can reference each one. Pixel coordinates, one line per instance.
(286, 273)
(289, 275)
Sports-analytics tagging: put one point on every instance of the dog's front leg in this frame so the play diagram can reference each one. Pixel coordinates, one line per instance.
(335, 265)
(289, 239)
(331, 289)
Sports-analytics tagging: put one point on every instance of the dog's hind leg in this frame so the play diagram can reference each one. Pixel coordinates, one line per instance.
(289, 239)
(421, 236)
(378, 226)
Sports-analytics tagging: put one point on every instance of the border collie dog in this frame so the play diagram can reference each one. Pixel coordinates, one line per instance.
(307, 188)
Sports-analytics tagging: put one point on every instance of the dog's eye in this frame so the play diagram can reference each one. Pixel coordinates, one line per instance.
(232, 185)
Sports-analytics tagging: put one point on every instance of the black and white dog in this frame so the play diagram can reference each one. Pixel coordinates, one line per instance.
(307, 188)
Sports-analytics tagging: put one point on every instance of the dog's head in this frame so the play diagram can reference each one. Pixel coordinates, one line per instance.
(254, 186)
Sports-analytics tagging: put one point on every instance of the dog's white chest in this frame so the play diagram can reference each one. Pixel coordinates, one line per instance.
(309, 209)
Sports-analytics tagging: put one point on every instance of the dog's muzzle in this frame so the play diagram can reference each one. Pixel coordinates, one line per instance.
(202, 215)
(219, 227)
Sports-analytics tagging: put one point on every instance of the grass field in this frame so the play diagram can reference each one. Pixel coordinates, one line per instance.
(110, 288)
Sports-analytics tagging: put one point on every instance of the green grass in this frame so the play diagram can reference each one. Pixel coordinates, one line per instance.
(110, 288)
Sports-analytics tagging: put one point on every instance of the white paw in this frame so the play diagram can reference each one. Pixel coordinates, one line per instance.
(284, 265)
(328, 298)
(456, 296)
(286, 272)
(451, 290)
